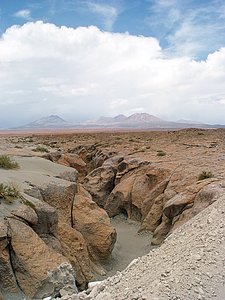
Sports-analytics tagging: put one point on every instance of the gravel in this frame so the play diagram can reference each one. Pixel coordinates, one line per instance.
(190, 264)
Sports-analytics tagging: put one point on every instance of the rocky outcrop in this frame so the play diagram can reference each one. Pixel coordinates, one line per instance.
(50, 222)
(99, 183)
(39, 270)
(94, 224)
(188, 265)
(137, 191)
(74, 248)
(27, 263)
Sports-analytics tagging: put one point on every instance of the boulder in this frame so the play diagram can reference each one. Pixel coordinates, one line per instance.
(39, 271)
(127, 165)
(154, 216)
(99, 183)
(94, 224)
(205, 197)
(119, 201)
(8, 281)
(74, 247)
(74, 161)
(136, 192)
(47, 215)
(41, 178)
(161, 231)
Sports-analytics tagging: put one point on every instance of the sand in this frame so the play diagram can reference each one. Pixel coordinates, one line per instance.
(129, 245)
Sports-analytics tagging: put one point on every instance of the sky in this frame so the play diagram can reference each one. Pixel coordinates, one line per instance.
(82, 59)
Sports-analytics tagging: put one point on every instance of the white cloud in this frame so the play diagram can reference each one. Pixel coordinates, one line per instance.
(84, 73)
(108, 12)
(23, 14)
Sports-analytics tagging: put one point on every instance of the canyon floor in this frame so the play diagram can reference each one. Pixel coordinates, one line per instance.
(190, 262)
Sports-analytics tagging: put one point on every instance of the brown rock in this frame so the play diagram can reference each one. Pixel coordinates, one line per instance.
(60, 197)
(153, 218)
(161, 231)
(7, 279)
(38, 269)
(99, 183)
(75, 249)
(119, 201)
(47, 215)
(74, 161)
(25, 213)
(205, 197)
(94, 224)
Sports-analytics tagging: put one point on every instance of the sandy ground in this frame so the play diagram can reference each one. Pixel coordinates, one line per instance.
(129, 245)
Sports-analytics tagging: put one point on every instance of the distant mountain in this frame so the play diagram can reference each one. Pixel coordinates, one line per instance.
(134, 121)
(137, 120)
(119, 118)
(143, 118)
(52, 121)
(189, 122)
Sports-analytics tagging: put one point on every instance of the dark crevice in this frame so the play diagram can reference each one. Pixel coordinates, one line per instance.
(11, 251)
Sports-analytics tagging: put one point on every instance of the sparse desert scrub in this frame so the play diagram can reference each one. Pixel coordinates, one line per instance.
(161, 153)
(8, 192)
(41, 149)
(205, 175)
(8, 163)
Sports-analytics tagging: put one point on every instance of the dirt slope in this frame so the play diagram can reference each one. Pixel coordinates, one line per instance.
(189, 265)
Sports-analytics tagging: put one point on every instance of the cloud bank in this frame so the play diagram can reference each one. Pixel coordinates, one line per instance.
(83, 73)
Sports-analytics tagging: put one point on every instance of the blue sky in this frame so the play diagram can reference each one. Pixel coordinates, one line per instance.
(200, 24)
(164, 57)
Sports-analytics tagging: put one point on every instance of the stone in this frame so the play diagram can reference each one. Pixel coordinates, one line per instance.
(74, 161)
(99, 183)
(47, 215)
(119, 201)
(39, 270)
(74, 247)
(94, 224)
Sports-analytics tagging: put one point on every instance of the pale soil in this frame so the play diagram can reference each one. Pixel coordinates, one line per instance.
(191, 262)
(189, 265)
(129, 245)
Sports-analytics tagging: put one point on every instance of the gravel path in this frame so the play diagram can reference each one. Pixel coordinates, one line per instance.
(189, 265)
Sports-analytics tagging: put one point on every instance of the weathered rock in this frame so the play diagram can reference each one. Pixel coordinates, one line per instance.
(7, 279)
(47, 215)
(161, 231)
(39, 270)
(99, 158)
(154, 216)
(75, 249)
(135, 194)
(119, 201)
(150, 200)
(25, 213)
(94, 224)
(99, 183)
(41, 178)
(61, 197)
(205, 197)
(127, 165)
(74, 161)
(113, 161)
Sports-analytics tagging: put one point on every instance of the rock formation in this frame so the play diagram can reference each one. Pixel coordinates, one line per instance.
(53, 236)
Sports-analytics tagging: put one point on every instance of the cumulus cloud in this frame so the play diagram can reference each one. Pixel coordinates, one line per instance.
(23, 14)
(84, 73)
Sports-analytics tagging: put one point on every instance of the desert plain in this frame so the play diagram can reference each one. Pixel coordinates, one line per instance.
(167, 186)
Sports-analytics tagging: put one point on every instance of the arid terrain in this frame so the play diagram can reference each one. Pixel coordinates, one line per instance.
(161, 190)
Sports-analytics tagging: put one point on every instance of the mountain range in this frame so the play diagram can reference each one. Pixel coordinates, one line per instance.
(134, 121)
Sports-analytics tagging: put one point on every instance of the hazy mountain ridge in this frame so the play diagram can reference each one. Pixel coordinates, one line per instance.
(135, 121)
(52, 121)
